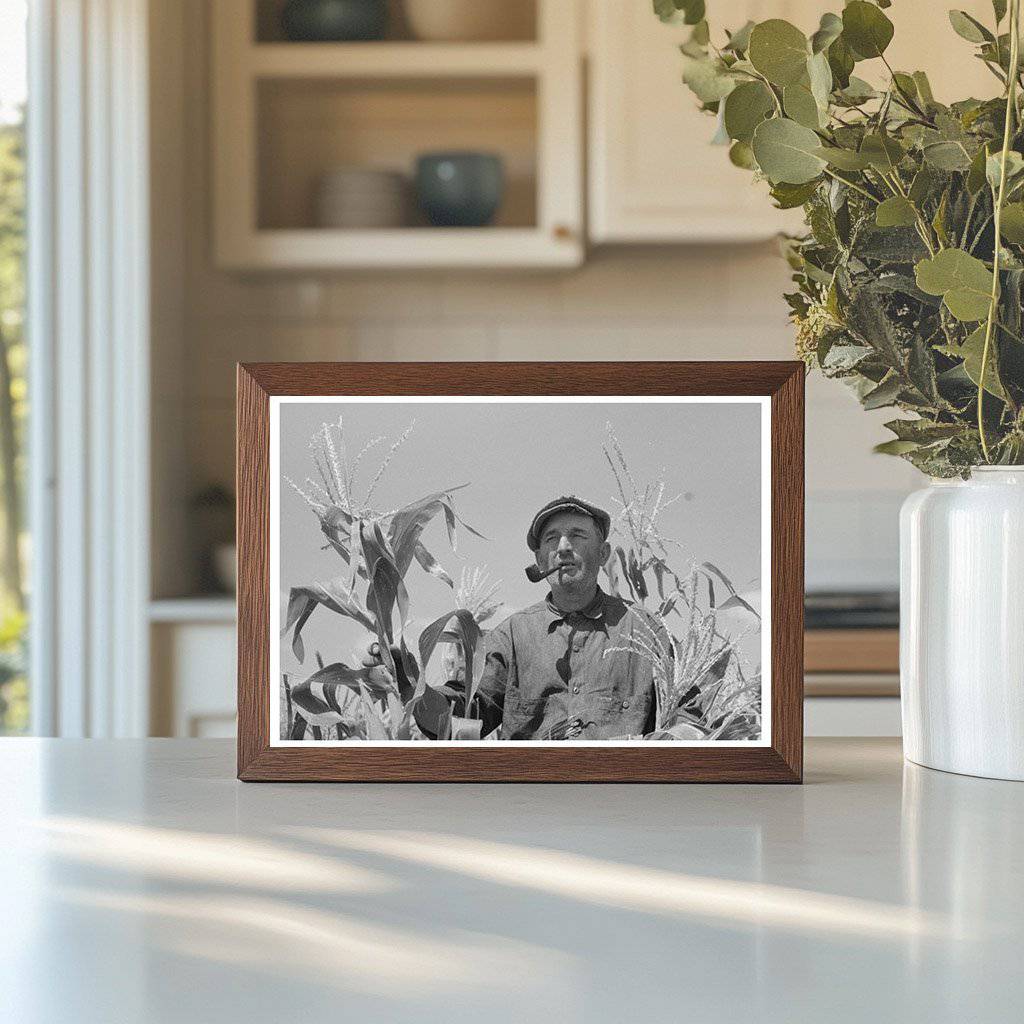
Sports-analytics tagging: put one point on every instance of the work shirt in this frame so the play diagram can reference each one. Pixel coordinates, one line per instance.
(546, 676)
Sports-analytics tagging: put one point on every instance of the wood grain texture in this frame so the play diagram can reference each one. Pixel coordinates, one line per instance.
(780, 762)
(852, 650)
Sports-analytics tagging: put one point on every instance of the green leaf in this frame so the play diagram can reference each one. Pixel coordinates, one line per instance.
(895, 212)
(788, 196)
(829, 30)
(1012, 223)
(971, 352)
(857, 91)
(923, 431)
(779, 51)
(882, 151)
(741, 155)
(690, 12)
(884, 394)
(976, 174)
(801, 106)
(922, 185)
(963, 281)
(739, 41)
(895, 447)
(947, 156)
(924, 88)
(890, 245)
(707, 78)
(969, 28)
(786, 151)
(993, 167)
(841, 62)
(693, 11)
(905, 84)
(745, 108)
(819, 74)
(844, 159)
(866, 29)
(665, 10)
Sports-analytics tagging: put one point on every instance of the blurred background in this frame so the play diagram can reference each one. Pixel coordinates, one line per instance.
(362, 180)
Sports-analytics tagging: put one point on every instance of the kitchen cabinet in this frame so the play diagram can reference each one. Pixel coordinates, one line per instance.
(286, 114)
(654, 177)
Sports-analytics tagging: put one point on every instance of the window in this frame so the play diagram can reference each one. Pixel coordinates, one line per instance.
(14, 691)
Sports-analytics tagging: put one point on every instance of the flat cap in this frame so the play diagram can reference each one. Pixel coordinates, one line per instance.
(567, 503)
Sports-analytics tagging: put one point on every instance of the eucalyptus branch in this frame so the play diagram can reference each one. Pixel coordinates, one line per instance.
(851, 184)
(911, 103)
(1011, 108)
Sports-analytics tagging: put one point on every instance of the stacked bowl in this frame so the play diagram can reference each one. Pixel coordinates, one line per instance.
(362, 197)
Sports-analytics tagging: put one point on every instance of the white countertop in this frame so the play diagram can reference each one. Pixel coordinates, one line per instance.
(140, 882)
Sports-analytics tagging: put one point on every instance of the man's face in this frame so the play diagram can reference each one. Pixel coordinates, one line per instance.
(572, 540)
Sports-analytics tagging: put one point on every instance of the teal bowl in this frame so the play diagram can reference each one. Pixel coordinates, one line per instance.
(460, 189)
(334, 21)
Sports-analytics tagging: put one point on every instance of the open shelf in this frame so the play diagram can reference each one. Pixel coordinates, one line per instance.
(286, 114)
(308, 127)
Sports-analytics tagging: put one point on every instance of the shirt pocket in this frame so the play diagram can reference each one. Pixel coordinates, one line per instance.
(620, 714)
(523, 717)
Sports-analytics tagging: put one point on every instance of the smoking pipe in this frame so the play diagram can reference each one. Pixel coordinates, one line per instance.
(535, 575)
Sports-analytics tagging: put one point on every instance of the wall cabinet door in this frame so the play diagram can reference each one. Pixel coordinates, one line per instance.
(653, 175)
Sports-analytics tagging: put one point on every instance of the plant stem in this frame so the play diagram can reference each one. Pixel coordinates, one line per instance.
(853, 185)
(1011, 107)
(775, 98)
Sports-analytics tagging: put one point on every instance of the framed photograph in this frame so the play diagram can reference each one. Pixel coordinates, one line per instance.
(513, 572)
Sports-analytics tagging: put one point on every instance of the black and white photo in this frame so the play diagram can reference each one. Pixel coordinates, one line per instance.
(522, 570)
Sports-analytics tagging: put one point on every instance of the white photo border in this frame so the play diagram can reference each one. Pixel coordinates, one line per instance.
(273, 680)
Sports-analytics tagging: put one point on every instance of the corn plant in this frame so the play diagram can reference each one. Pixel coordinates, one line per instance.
(376, 549)
(702, 690)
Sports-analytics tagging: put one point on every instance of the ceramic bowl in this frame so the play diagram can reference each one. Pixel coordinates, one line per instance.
(460, 189)
(332, 21)
(359, 197)
(470, 20)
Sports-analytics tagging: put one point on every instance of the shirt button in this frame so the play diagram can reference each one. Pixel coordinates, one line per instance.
(625, 704)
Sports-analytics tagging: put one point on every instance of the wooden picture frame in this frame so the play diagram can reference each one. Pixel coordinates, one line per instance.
(778, 758)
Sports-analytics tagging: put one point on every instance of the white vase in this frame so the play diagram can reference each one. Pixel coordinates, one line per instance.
(962, 624)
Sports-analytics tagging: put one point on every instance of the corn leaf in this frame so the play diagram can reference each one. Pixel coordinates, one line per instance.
(302, 602)
(465, 626)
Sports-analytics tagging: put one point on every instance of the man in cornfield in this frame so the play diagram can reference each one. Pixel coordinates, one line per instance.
(565, 668)
(562, 668)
